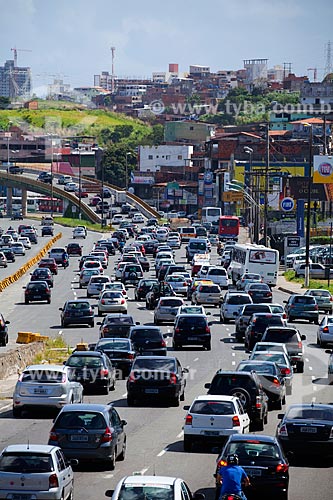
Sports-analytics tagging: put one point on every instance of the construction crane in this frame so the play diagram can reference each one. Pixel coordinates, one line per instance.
(15, 50)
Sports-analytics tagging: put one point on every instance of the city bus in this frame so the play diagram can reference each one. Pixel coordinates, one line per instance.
(228, 227)
(210, 214)
(32, 203)
(45, 205)
(252, 258)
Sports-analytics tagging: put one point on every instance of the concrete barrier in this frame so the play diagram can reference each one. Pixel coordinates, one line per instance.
(25, 268)
(17, 359)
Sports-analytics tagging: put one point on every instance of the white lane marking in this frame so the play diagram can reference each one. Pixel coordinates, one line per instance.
(144, 470)
(60, 332)
(307, 360)
(313, 400)
(181, 434)
(4, 408)
(139, 305)
(124, 395)
(233, 354)
(161, 453)
(310, 368)
(151, 312)
(107, 476)
(313, 377)
(233, 363)
(227, 329)
(196, 359)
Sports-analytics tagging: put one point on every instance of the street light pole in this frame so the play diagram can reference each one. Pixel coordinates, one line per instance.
(251, 211)
(266, 187)
(102, 178)
(80, 193)
(308, 212)
(51, 177)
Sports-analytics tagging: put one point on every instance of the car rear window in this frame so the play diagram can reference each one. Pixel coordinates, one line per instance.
(192, 321)
(197, 245)
(80, 361)
(100, 279)
(43, 376)
(282, 336)
(112, 295)
(224, 383)
(213, 408)
(238, 299)
(171, 303)
(78, 306)
(119, 320)
(310, 413)
(217, 272)
(263, 321)
(38, 288)
(114, 345)
(209, 289)
(154, 364)
(145, 333)
(78, 419)
(254, 451)
(253, 308)
(25, 463)
(276, 309)
(259, 286)
(304, 299)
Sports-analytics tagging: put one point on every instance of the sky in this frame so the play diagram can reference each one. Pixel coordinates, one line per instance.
(72, 38)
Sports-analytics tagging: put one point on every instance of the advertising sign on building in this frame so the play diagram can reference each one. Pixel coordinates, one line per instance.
(322, 169)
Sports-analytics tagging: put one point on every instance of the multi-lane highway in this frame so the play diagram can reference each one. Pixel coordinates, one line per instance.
(154, 431)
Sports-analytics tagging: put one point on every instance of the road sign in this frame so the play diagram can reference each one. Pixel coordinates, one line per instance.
(232, 196)
(293, 241)
(287, 204)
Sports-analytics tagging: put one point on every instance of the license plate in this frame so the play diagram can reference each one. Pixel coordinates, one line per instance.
(211, 433)
(77, 314)
(309, 430)
(192, 338)
(151, 391)
(16, 496)
(40, 391)
(38, 296)
(253, 472)
(79, 437)
(210, 299)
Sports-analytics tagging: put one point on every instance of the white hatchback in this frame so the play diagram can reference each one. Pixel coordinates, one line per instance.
(214, 418)
(111, 301)
(79, 232)
(96, 284)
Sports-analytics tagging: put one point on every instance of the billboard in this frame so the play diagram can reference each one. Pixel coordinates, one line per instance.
(262, 256)
(322, 169)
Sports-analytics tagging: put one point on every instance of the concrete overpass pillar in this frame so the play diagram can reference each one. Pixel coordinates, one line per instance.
(24, 202)
(9, 203)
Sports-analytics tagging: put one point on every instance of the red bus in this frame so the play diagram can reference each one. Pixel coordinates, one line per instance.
(228, 227)
(45, 205)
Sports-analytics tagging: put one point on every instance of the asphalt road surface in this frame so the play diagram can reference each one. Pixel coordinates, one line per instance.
(154, 431)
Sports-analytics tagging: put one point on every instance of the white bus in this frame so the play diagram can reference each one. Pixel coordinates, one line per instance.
(210, 214)
(254, 259)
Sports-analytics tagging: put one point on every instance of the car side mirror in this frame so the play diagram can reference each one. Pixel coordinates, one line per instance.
(328, 351)
(199, 496)
(98, 323)
(280, 416)
(64, 363)
(24, 287)
(303, 337)
(285, 301)
(109, 493)
(186, 407)
(137, 323)
(186, 370)
(210, 323)
(123, 422)
(61, 309)
(207, 386)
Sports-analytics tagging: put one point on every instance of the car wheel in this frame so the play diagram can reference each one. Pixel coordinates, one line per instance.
(3, 343)
(26, 301)
(99, 313)
(175, 401)
(316, 321)
(49, 301)
(208, 346)
(243, 395)
(266, 418)
(300, 366)
(130, 401)
(290, 319)
(283, 401)
(92, 324)
(88, 295)
(112, 460)
(17, 412)
(113, 386)
(156, 322)
(182, 396)
(187, 444)
(121, 457)
(225, 320)
(257, 425)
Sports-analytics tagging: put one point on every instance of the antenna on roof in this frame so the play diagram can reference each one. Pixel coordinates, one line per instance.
(28, 445)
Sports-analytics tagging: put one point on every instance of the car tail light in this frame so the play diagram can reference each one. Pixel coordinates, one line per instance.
(331, 298)
(188, 420)
(235, 421)
(282, 431)
(53, 481)
(299, 345)
(163, 343)
(105, 330)
(130, 356)
(284, 316)
(102, 301)
(282, 468)
(285, 371)
(292, 306)
(53, 435)
(173, 379)
(207, 329)
(326, 329)
(177, 330)
(132, 377)
(67, 314)
(258, 402)
(64, 378)
(184, 284)
(107, 436)
(316, 307)
(104, 372)
(276, 381)
(122, 301)
(331, 433)
(269, 294)
(124, 291)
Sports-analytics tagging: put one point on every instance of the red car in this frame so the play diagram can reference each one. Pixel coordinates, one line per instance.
(74, 249)
(94, 201)
(49, 264)
(81, 194)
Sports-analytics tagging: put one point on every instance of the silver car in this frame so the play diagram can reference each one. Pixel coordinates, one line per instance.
(85, 276)
(325, 331)
(167, 309)
(35, 471)
(96, 283)
(47, 386)
(232, 304)
(178, 283)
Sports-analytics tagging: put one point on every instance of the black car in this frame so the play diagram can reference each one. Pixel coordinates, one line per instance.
(36, 291)
(143, 287)
(158, 290)
(257, 326)
(271, 379)
(247, 387)
(3, 331)
(150, 246)
(77, 312)
(90, 432)
(47, 231)
(148, 340)
(306, 428)
(264, 462)
(74, 249)
(9, 254)
(42, 274)
(259, 292)
(30, 233)
(292, 339)
(93, 369)
(156, 377)
(15, 169)
(116, 325)
(191, 329)
(45, 177)
(121, 353)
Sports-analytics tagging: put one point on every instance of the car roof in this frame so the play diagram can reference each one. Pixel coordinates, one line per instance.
(149, 480)
(91, 354)
(86, 407)
(215, 398)
(46, 367)
(35, 448)
(253, 438)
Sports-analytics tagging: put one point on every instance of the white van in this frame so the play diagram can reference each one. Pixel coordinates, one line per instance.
(64, 179)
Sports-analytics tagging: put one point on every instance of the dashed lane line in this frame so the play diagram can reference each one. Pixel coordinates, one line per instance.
(161, 453)
(124, 395)
(181, 434)
(195, 359)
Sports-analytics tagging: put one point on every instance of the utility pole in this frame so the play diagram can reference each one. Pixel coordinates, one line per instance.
(308, 212)
(266, 187)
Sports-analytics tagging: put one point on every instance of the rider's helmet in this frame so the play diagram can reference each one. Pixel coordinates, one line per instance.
(232, 459)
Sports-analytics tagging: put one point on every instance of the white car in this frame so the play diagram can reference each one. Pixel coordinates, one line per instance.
(96, 284)
(167, 309)
(71, 187)
(102, 257)
(115, 287)
(174, 242)
(232, 304)
(214, 418)
(93, 264)
(47, 386)
(117, 219)
(138, 219)
(111, 301)
(178, 283)
(26, 242)
(153, 487)
(79, 232)
(18, 248)
(218, 275)
(119, 270)
(207, 294)
(35, 471)
(161, 234)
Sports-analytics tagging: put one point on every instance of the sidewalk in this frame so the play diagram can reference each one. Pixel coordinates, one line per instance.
(288, 287)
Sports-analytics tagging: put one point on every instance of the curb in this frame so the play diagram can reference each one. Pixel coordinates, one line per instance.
(286, 290)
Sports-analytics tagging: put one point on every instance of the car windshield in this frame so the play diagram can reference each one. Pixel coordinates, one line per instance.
(171, 303)
(213, 408)
(80, 419)
(91, 361)
(26, 463)
(145, 492)
(254, 451)
(238, 299)
(192, 310)
(276, 309)
(154, 364)
(145, 333)
(44, 376)
(309, 413)
(113, 345)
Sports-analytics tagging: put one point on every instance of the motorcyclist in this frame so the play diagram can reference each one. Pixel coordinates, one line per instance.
(65, 259)
(232, 476)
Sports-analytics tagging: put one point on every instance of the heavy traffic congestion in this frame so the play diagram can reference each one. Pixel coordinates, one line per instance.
(183, 351)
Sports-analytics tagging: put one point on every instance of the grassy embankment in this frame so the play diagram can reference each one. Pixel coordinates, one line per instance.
(321, 284)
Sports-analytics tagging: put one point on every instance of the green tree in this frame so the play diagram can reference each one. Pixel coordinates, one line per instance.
(114, 163)
(4, 102)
